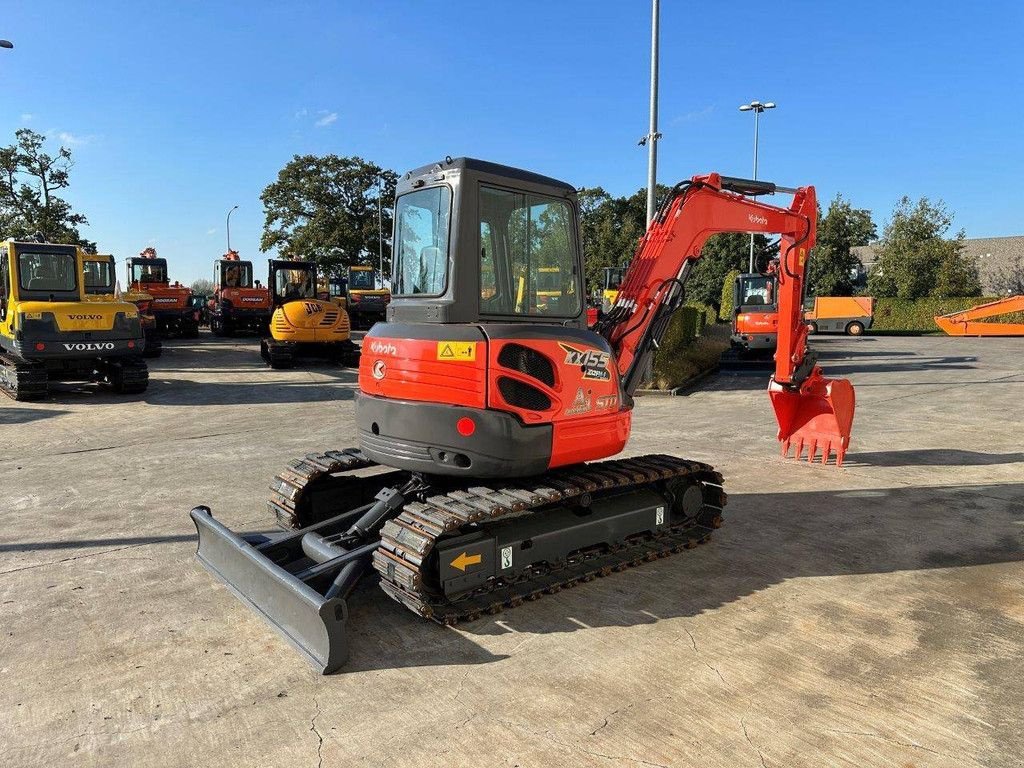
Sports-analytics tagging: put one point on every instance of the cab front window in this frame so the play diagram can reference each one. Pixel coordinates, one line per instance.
(361, 279)
(292, 284)
(99, 276)
(53, 272)
(149, 272)
(422, 242)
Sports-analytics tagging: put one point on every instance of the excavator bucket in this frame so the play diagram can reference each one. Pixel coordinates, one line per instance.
(818, 416)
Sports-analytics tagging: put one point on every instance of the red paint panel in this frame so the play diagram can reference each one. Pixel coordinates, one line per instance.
(409, 369)
(578, 392)
(590, 438)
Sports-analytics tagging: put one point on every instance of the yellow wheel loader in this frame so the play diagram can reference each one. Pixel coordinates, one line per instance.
(50, 332)
(302, 325)
(101, 285)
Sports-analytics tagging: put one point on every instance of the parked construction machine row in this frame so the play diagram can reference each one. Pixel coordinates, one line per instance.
(51, 331)
(101, 286)
(172, 302)
(484, 411)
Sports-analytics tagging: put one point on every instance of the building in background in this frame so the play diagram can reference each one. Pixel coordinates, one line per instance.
(992, 254)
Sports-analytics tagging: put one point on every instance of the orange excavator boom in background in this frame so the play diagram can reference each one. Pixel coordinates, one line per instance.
(968, 322)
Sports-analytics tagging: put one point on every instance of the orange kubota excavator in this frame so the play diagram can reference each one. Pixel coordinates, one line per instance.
(480, 404)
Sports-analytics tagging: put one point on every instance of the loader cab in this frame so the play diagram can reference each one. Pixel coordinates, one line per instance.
(98, 273)
(291, 281)
(481, 242)
(141, 270)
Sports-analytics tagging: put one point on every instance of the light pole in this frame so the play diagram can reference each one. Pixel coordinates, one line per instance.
(229, 226)
(651, 139)
(757, 108)
(380, 226)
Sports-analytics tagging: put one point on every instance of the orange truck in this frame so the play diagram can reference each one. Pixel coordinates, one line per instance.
(172, 303)
(851, 315)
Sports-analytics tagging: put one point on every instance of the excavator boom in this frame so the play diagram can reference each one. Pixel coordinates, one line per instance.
(967, 323)
(812, 411)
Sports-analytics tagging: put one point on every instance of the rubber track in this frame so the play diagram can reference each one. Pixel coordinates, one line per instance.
(289, 486)
(30, 380)
(134, 375)
(408, 539)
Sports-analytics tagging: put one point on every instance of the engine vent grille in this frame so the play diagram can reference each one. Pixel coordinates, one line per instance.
(330, 318)
(522, 395)
(516, 357)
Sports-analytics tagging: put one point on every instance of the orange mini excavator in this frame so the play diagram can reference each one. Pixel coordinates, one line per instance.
(485, 410)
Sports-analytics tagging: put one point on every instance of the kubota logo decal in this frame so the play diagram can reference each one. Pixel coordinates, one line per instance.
(89, 346)
(383, 349)
(312, 308)
(379, 370)
(86, 317)
(755, 219)
(593, 362)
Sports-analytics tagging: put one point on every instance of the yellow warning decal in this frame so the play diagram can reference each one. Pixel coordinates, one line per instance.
(448, 351)
(803, 257)
(464, 560)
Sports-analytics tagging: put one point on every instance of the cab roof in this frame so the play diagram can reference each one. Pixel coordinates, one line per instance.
(495, 169)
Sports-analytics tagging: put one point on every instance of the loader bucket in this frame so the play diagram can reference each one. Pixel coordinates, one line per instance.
(262, 573)
(818, 416)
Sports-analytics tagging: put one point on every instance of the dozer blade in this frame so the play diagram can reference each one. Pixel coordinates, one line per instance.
(284, 593)
(818, 416)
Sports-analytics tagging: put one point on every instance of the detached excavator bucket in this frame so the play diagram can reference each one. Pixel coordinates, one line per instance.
(818, 416)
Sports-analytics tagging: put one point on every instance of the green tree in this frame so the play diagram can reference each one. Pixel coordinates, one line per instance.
(610, 228)
(915, 258)
(203, 285)
(832, 263)
(326, 209)
(30, 179)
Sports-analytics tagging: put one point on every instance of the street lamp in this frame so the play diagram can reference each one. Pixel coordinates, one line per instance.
(229, 226)
(757, 108)
(380, 226)
(651, 139)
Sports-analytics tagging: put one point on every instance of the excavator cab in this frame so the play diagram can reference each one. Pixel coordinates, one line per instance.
(755, 314)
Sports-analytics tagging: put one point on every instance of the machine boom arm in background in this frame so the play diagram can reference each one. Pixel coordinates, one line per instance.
(810, 409)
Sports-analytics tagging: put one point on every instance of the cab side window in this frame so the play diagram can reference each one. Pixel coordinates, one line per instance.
(5, 282)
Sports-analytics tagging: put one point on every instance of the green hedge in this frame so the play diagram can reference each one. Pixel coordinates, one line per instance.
(725, 312)
(918, 315)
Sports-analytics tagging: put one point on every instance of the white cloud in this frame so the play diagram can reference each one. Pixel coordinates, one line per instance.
(26, 117)
(73, 140)
(301, 113)
(212, 231)
(695, 115)
(327, 119)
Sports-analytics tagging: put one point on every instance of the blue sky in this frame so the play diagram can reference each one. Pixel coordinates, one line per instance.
(177, 111)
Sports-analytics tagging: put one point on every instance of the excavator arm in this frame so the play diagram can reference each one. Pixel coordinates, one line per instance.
(811, 410)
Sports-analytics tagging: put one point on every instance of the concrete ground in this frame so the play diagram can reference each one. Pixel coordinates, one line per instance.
(870, 615)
